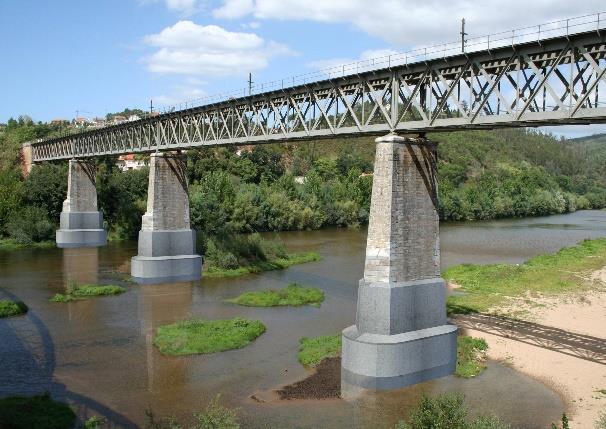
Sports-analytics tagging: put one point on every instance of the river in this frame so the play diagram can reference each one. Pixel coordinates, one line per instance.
(98, 354)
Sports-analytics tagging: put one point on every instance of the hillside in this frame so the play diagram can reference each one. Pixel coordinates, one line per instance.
(592, 149)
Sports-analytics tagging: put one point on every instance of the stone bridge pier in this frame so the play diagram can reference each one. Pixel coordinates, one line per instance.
(81, 223)
(167, 244)
(401, 336)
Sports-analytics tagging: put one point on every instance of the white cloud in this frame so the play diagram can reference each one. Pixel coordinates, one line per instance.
(407, 23)
(180, 94)
(234, 9)
(365, 56)
(207, 51)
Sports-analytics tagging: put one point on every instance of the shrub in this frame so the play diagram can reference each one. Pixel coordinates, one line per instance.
(214, 416)
(220, 258)
(442, 412)
(600, 423)
(20, 412)
(94, 422)
(10, 308)
(447, 412)
(30, 225)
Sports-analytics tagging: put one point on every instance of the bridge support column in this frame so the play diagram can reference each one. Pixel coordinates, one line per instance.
(401, 336)
(81, 223)
(167, 244)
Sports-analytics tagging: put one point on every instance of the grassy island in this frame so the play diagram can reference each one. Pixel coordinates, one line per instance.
(486, 286)
(260, 266)
(20, 412)
(293, 295)
(10, 308)
(312, 351)
(75, 292)
(206, 336)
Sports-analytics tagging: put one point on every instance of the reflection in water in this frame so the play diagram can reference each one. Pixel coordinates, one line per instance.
(159, 304)
(81, 266)
(98, 353)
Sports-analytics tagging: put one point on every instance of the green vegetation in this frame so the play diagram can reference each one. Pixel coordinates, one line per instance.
(214, 416)
(470, 356)
(258, 267)
(482, 174)
(312, 351)
(206, 336)
(94, 422)
(10, 308)
(232, 255)
(470, 352)
(75, 292)
(447, 412)
(19, 412)
(486, 286)
(294, 294)
(565, 423)
(10, 244)
(600, 423)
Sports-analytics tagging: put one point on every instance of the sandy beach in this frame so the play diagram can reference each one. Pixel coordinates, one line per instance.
(558, 340)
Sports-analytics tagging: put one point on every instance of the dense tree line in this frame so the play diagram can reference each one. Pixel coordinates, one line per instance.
(482, 175)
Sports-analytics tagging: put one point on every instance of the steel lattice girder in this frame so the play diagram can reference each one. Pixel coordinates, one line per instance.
(549, 82)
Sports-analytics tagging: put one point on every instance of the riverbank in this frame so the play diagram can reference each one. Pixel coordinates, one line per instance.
(559, 341)
(9, 245)
(545, 318)
(484, 287)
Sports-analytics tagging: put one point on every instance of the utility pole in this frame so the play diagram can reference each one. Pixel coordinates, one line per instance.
(463, 34)
(250, 83)
(151, 107)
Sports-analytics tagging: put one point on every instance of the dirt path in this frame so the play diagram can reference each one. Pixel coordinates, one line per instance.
(560, 341)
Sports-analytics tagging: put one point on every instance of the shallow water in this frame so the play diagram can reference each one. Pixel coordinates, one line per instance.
(98, 354)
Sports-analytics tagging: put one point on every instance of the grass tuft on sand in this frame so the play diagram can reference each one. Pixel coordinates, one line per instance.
(20, 412)
(486, 286)
(12, 308)
(260, 266)
(206, 336)
(470, 356)
(312, 351)
(75, 292)
(294, 295)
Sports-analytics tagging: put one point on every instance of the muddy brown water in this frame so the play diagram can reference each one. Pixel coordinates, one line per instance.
(98, 354)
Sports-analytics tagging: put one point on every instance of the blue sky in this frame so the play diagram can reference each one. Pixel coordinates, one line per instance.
(95, 57)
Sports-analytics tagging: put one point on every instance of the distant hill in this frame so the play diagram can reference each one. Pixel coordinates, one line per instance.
(593, 150)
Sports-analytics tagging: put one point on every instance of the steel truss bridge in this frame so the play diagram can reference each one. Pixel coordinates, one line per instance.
(552, 81)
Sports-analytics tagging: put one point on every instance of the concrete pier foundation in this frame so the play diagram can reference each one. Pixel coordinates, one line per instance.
(401, 336)
(81, 223)
(167, 244)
